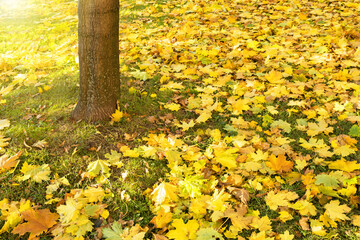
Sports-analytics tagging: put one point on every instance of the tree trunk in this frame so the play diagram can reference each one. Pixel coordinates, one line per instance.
(98, 59)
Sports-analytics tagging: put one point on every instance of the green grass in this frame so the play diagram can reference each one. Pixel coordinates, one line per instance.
(70, 145)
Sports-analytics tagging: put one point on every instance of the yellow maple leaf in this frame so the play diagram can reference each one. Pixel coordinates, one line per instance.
(133, 233)
(186, 126)
(10, 212)
(263, 224)
(94, 194)
(281, 198)
(286, 236)
(259, 155)
(204, 116)
(183, 231)
(285, 216)
(356, 220)
(198, 205)
(127, 152)
(3, 141)
(335, 211)
(274, 77)
(165, 191)
(317, 227)
(162, 218)
(117, 116)
(227, 157)
(218, 200)
(343, 165)
(345, 150)
(321, 127)
(304, 207)
(240, 105)
(70, 211)
(35, 172)
(279, 164)
(172, 106)
(259, 236)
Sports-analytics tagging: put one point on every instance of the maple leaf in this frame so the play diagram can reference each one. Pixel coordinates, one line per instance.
(186, 126)
(80, 226)
(3, 141)
(263, 224)
(173, 106)
(336, 211)
(304, 207)
(38, 221)
(94, 168)
(282, 124)
(279, 164)
(317, 227)
(94, 194)
(240, 105)
(4, 123)
(226, 157)
(113, 233)
(55, 184)
(327, 180)
(35, 172)
(286, 236)
(208, 234)
(198, 205)
(315, 129)
(164, 191)
(218, 199)
(114, 158)
(285, 216)
(159, 237)
(354, 131)
(204, 116)
(162, 218)
(140, 75)
(274, 77)
(7, 162)
(282, 198)
(10, 212)
(70, 211)
(133, 233)
(183, 231)
(356, 220)
(117, 116)
(345, 150)
(40, 144)
(192, 185)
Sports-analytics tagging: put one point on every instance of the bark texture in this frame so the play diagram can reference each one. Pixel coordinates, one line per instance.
(98, 59)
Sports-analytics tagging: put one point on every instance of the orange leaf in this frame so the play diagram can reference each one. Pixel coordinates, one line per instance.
(7, 162)
(279, 163)
(38, 221)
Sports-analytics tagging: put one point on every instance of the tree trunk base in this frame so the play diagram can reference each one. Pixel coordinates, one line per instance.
(91, 113)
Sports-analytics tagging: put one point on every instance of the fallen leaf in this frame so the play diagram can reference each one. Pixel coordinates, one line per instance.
(38, 221)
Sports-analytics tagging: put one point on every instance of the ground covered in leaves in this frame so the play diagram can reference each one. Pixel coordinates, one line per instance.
(238, 120)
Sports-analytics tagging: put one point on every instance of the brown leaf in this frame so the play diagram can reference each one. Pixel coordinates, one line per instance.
(304, 223)
(159, 237)
(240, 194)
(38, 221)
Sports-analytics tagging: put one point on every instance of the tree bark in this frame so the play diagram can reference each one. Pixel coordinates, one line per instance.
(98, 59)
